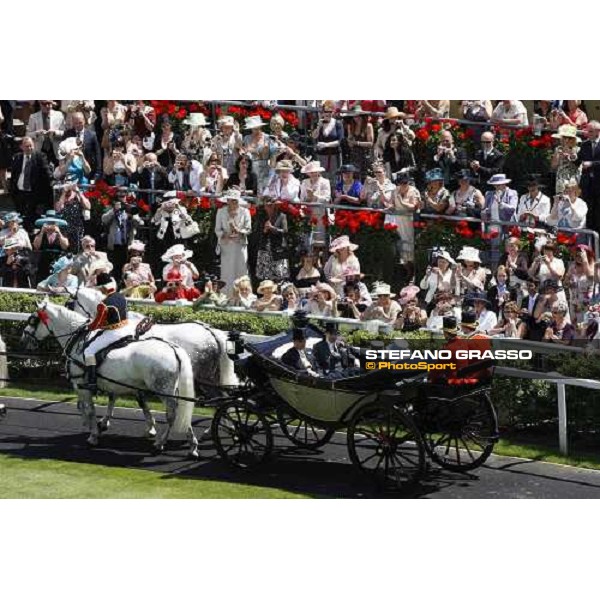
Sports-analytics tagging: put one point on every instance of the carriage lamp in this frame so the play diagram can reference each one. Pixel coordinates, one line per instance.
(234, 344)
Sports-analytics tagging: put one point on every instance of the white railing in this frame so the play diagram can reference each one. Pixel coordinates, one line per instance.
(561, 382)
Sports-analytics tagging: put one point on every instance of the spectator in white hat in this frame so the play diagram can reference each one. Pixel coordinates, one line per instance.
(565, 158)
(470, 275)
(259, 146)
(178, 263)
(227, 143)
(439, 278)
(568, 209)
(197, 137)
(232, 227)
(385, 308)
(316, 189)
(137, 275)
(510, 112)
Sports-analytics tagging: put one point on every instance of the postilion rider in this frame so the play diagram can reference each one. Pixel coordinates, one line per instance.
(467, 338)
(109, 326)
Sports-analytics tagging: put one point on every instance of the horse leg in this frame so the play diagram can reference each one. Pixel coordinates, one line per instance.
(150, 422)
(193, 441)
(89, 415)
(110, 409)
(161, 440)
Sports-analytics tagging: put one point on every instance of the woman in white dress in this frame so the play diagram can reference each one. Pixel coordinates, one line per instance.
(232, 226)
(378, 191)
(406, 200)
(440, 278)
(316, 189)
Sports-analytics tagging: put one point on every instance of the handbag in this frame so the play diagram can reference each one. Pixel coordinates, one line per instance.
(189, 229)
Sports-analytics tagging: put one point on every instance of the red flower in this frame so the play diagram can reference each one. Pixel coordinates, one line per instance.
(181, 113)
(514, 231)
(531, 236)
(143, 206)
(205, 203)
(194, 107)
(313, 220)
(422, 134)
(469, 133)
(252, 210)
(171, 109)
(436, 127)
(390, 226)
(105, 201)
(535, 143)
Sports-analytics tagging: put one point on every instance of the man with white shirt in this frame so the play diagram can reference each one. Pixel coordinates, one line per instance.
(510, 112)
(534, 204)
(30, 181)
(47, 127)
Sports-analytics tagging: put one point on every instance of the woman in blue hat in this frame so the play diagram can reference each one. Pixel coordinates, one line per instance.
(49, 242)
(436, 197)
(61, 279)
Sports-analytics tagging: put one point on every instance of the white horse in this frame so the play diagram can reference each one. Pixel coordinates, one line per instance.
(205, 345)
(153, 367)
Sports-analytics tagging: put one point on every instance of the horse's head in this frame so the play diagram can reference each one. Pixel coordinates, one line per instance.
(85, 301)
(38, 325)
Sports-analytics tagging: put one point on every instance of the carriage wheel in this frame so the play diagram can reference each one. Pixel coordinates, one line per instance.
(464, 434)
(241, 434)
(300, 431)
(384, 443)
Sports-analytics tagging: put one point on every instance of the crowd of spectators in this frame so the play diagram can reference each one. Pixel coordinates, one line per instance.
(351, 154)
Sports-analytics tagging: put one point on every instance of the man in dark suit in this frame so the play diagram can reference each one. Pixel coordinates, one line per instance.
(152, 177)
(30, 181)
(489, 160)
(589, 159)
(88, 141)
(296, 357)
(330, 353)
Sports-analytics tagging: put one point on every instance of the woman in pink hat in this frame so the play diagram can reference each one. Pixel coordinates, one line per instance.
(341, 263)
(413, 317)
(323, 301)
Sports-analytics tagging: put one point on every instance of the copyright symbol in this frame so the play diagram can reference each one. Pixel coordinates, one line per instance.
(370, 365)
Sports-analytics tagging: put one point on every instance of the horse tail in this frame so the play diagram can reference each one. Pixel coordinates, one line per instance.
(3, 365)
(226, 371)
(185, 389)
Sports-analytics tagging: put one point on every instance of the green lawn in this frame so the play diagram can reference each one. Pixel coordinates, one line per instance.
(26, 478)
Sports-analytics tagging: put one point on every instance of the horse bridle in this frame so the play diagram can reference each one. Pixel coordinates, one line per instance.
(75, 298)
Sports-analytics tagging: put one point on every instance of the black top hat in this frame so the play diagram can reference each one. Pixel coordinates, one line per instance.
(348, 169)
(298, 335)
(464, 174)
(449, 324)
(469, 318)
(103, 279)
(331, 327)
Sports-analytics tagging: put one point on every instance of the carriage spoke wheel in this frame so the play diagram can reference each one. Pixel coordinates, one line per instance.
(300, 431)
(465, 434)
(385, 444)
(241, 434)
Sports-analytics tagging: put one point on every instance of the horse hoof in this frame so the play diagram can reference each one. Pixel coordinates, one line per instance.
(194, 454)
(92, 442)
(157, 450)
(151, 434)
(103, 426)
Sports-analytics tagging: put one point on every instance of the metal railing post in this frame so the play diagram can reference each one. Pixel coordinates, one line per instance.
(563, 441)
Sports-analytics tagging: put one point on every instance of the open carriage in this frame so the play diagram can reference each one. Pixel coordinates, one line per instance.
(392, 420)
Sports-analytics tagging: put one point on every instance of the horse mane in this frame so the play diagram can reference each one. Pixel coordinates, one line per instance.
(73, 318)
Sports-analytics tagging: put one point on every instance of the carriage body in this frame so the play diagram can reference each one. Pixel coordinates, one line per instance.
(386, 415)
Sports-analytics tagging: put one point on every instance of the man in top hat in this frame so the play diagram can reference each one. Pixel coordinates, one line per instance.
(330, 353)
(534, 206)
(109, 325)
(296, 357)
